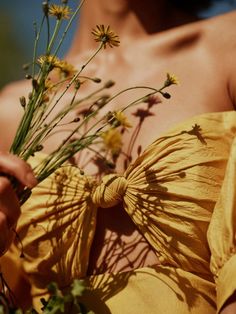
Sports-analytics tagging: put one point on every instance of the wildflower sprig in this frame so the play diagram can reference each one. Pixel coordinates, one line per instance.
(41, 117)
(170, 80)
(59, 11)
(106, 36)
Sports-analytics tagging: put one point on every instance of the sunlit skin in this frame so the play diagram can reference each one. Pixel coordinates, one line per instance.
(155, 38)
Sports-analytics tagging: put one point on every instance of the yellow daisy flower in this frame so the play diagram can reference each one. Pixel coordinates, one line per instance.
(171, 79)
(112, 141)
(60, 11)
(106, 36)
(66, 68)
(121, 119)
(52, 60)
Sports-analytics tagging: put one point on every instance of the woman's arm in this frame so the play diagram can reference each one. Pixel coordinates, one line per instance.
(9, 203)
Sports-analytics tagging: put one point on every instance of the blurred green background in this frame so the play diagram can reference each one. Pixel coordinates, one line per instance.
(17, 32)
(17, 18)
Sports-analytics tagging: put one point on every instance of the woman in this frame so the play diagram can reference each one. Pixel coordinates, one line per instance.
(160, 260)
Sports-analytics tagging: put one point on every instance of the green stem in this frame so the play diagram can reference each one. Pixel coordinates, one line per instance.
(54, 36)
(68, 26)
(132, 88)
(38, 33)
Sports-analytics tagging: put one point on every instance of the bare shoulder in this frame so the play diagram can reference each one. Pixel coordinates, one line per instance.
(220, 41)
(221, 29)
(11, 110)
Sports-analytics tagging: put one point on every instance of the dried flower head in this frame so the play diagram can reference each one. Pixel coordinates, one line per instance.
(66, 68)
(53, 61)
(23, 101)
(59, 11)
(170, 80)
(120, 119)
(112, 140)
(106, 36)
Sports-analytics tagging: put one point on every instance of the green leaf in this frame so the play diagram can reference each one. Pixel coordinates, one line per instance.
(78, 288)
(55, 305)
(53, 288)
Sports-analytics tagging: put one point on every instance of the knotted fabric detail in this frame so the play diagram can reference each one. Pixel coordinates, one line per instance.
(110, 191)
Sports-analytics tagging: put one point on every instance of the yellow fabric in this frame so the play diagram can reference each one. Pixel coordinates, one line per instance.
(57, 227)
(222, 234)
(180, 190)
(163, 289)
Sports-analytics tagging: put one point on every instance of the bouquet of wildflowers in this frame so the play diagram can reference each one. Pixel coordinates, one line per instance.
(51, 79)
(41, 117)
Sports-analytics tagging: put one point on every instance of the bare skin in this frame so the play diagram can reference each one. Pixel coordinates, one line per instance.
(9, 203)
(162, 40)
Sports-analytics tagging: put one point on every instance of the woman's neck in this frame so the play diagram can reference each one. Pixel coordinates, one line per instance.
(130, 19)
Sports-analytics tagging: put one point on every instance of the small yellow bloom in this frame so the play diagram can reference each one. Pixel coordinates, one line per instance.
(171, 79)
(112, 140)
(49, 85)
(66, 68)
(121, 119)
(106, 36)
(59, 11)
(53, 61)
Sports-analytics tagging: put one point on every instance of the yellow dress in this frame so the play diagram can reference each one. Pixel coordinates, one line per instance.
(180, 193)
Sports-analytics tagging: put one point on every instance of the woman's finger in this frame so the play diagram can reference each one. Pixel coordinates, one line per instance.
(14, 166)
(7, 234)
(9, 203)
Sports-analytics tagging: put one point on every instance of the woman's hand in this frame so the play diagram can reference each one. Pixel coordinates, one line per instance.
(9, 203)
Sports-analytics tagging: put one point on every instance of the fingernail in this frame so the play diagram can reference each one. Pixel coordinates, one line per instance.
(31, 180)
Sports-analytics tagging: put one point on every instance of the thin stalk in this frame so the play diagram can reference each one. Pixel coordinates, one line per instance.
(23, 129)
(43, 134)
(66, 89)
(54, 36)
(123, 109)
(48, 30)
(135, 87)
(68, 26)
(36, 45)
(49, 165)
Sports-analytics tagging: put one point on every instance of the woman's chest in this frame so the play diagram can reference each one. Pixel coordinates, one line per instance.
(149, 117)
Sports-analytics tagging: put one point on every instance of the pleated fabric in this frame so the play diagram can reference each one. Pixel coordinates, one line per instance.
(180, 193)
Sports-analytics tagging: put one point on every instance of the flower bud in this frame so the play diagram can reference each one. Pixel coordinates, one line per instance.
(23, 101)
(96, 80)
(77, 119)
(109, 84)
(166, 95)
(45, 7)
